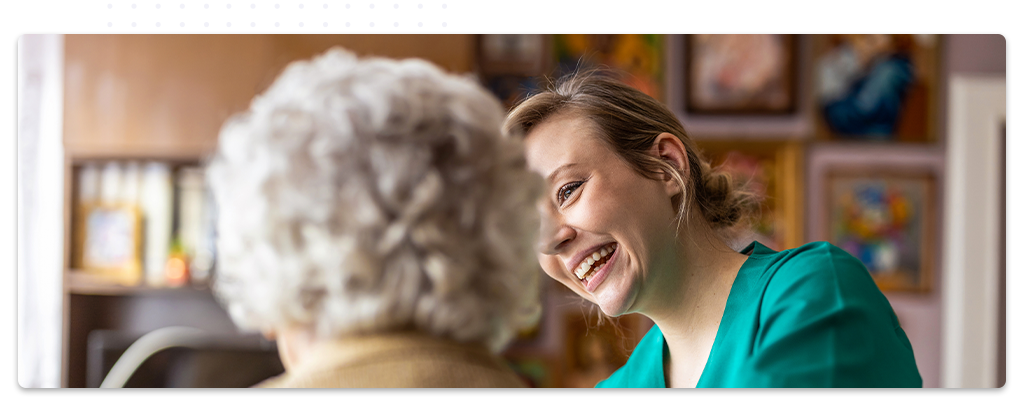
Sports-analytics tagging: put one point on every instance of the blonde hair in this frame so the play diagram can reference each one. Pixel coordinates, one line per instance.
(367, 195)
(629, 121)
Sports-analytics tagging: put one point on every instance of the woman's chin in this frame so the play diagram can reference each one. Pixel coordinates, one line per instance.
(614, 304)
(613, 312)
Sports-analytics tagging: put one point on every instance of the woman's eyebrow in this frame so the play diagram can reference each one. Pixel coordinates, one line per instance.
(558, 171)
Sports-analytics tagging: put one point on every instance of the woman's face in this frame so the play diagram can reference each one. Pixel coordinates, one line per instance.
(595, 204)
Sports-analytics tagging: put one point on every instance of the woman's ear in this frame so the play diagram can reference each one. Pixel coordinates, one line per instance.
(670, 149)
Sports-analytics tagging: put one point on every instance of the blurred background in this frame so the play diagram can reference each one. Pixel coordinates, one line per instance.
(890, 146)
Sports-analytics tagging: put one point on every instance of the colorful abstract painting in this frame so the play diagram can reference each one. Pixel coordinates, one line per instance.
(638, 59)
(886, 222)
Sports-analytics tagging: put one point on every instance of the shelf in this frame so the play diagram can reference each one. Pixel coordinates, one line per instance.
(81, 154)
(79, 283)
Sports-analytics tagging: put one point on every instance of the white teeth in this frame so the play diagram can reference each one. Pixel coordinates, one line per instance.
(587, 266)
(582, 270)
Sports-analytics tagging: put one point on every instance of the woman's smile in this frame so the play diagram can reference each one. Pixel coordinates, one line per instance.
(601, 268)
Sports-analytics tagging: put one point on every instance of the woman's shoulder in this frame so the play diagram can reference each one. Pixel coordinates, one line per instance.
(810, 250)
(813, 258)
(819, 306)
(816, 270)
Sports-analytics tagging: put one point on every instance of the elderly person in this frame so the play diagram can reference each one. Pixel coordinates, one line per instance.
(375, 222)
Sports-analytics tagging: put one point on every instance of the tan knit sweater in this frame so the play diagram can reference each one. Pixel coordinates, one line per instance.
(405, 359)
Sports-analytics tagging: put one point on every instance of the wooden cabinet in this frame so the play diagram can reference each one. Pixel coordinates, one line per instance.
(165, 97)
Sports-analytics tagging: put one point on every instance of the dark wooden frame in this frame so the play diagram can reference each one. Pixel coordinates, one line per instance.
(491, 64)
(790, 42)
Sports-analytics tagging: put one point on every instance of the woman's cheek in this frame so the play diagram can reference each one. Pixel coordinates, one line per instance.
(551, 266)
(606, 203)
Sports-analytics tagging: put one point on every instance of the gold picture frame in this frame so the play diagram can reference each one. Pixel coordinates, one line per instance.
(775, 170)
(885, 217)
(108, 243)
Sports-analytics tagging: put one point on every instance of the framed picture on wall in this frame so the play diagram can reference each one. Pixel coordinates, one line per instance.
(884, 217)
(740, 74)
(513, 54)
(511, 65)
(637, 60)
(876, 87)
(109, 240)
(772, 171)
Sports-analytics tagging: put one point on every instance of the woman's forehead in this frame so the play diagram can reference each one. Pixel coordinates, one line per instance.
(565, 128)
(561, 143)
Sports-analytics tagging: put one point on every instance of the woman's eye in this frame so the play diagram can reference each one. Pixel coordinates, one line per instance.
(567, 191)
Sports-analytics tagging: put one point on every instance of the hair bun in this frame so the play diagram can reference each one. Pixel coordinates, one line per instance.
(723, 201)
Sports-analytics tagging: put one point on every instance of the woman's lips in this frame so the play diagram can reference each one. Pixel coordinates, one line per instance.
(591, 283)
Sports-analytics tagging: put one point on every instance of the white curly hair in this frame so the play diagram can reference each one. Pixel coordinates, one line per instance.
(367, 195)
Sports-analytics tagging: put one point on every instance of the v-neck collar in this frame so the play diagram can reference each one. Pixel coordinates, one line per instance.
(740, 286)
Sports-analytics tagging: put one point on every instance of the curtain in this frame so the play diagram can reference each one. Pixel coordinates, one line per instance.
(40, 209)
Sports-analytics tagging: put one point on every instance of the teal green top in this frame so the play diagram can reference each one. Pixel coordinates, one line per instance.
(804, 317)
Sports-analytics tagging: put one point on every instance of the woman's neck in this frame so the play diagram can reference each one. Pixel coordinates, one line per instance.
(689, 302)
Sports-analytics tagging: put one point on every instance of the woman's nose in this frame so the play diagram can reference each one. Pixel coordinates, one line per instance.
(554, 233)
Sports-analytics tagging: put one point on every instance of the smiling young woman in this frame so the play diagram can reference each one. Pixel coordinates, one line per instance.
(635, 221)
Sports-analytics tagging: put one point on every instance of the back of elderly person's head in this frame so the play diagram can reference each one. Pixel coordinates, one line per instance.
(369, 195)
